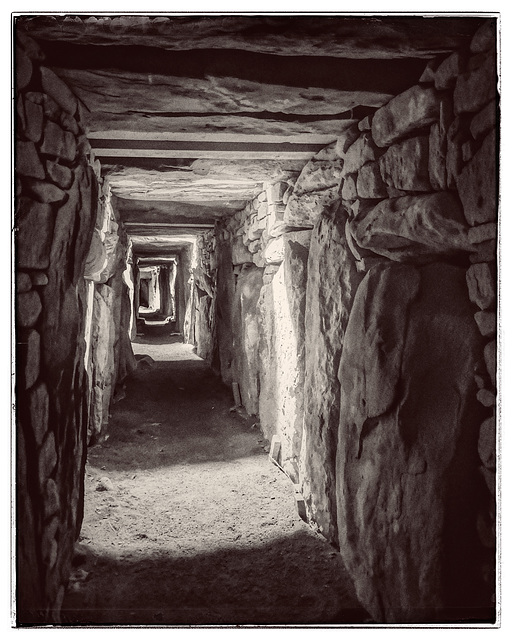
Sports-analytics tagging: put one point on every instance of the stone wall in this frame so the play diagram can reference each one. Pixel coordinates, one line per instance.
(56, 202)
(109, 357)
(373, 282)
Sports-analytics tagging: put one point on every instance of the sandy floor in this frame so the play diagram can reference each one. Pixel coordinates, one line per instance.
(196, 525)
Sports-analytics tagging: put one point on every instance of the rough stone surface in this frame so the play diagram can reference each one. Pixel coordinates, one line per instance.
(483, 232)
(60, 92)
(476, 184)
(448, 71)
(28, 308)
(414, 109)
(484, 121)
(474, 89)
(274, 251)
(361, 151)
(34, 121)
(490, 360)
(246, 336)
(317, 175)
(486, 321)
(481, 285)
(59, 143)
(239, 252)
(59, 174)
(487, 443)
(405, 165)
(484, 38)
(23, 282)
(349, 188)
(47, 459)
(331, 286)
(437, 158)
(413, 226)
(29, 347)
(303, 211)
(369, 182)
(486, 397)
(38, 408)
(45, 192)
(281, 348)
(406, 418)
(27, 160)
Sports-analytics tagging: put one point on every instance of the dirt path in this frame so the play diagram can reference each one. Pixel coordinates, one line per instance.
(197, 525)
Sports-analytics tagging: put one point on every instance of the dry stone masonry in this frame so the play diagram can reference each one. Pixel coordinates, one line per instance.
(367, 286)
(352, 303)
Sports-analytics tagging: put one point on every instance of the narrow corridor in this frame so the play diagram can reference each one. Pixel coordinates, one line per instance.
(196, 525)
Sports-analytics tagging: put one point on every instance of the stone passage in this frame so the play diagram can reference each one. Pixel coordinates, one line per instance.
(194, 524)
(310, 205)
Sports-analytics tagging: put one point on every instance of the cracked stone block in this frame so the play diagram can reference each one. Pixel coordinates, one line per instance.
(28, 162)
(411, 110)
(59, 143)
(304, 210)
(484, 252)
(405, 165)
(28, 308)
(481, 285)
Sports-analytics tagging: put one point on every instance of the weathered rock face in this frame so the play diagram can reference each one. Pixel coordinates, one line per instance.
(246, 335)
(331, 286)
(408, 423)
(282, 313)
(55, 215)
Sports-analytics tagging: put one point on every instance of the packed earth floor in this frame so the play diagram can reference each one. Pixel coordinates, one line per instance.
(188, 522)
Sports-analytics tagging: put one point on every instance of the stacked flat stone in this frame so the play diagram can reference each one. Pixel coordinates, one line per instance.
(419, 187)
(56, 179)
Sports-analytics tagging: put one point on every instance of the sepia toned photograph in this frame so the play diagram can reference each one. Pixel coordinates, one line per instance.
(255, 286)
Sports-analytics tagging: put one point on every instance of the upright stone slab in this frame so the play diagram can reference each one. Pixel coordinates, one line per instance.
(246, 335)
(282, 308)
(408, 430)
(331, 286)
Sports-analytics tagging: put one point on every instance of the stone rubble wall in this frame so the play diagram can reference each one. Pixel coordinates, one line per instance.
(377, 338)
(55, 213)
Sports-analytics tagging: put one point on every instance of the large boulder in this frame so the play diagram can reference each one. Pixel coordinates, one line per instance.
(408, 430)
(413, 227)
(331, 286)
